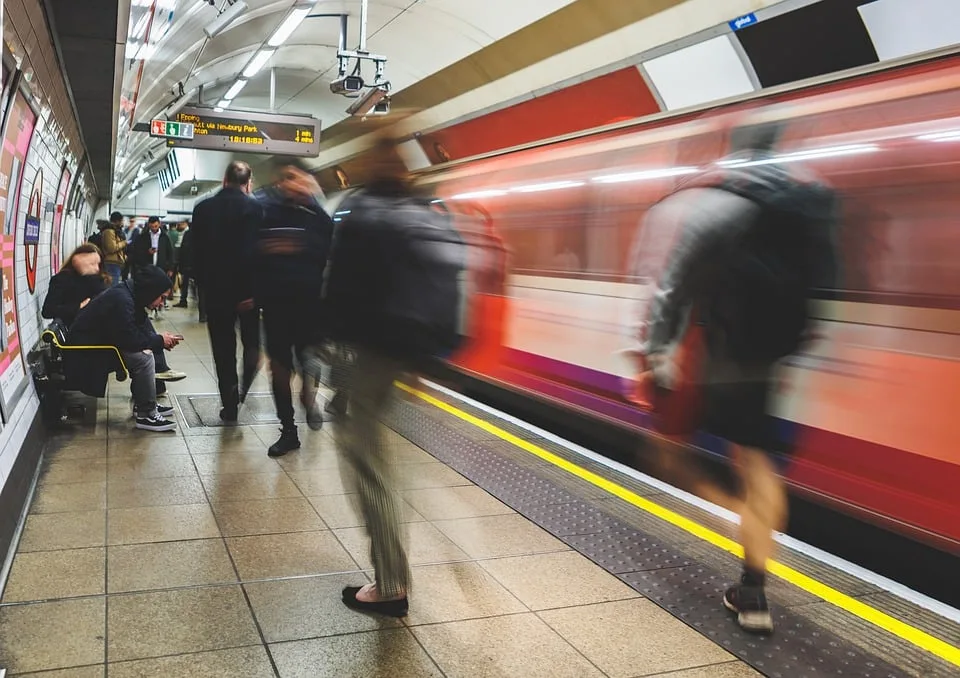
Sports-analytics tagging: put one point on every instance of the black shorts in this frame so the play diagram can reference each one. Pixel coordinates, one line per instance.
(739, 413)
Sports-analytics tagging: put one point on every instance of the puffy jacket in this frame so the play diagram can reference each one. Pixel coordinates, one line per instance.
(687, 237)
(292, 246)
(116, 318)
(113, 246)
(67, 289)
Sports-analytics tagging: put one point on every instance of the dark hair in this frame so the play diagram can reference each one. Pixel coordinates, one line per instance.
(88, 248)
(151, 220)
(238, 173)
(116, 216)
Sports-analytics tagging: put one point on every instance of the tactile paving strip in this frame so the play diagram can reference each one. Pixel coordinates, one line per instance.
(666, 574)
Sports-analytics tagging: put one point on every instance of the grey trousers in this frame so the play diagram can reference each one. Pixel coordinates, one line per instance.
(362, 441)
(143, 385)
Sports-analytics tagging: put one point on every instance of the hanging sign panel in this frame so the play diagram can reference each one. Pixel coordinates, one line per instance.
(245, 132)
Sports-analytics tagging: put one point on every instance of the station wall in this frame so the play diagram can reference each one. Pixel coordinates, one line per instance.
(46, 205)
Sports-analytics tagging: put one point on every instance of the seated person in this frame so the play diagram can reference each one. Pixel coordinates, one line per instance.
(118, 318)
(82, 278)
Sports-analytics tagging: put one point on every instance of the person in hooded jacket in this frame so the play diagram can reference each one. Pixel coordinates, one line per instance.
(291, 248)
(118, 317)
(750, 218)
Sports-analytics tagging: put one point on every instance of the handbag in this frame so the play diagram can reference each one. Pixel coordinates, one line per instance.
(676, 409)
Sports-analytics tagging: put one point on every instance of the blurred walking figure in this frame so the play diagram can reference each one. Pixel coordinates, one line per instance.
(729, 305)
(291, 250)
(392, 292)
(218, 251)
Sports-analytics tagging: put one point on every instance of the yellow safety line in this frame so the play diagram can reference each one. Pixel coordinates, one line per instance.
(909, 633)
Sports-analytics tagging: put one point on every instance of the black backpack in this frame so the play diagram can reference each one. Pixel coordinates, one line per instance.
(397, 278)
(96, 239)
(760, 295)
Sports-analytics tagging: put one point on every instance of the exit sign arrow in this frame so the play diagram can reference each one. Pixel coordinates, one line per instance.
(171, 130)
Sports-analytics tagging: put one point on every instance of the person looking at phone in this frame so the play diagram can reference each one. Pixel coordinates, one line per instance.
(118, 317)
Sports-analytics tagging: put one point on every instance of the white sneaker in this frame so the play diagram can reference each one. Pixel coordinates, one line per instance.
(156, 423)
(171, 375)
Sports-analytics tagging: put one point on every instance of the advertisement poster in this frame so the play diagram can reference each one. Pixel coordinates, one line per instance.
(18, 132)
(56, 241)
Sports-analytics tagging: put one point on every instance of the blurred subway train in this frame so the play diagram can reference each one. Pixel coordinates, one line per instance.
(871, 405)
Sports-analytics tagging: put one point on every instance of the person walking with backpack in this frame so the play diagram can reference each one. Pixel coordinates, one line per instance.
(754, 241)
(392, 293)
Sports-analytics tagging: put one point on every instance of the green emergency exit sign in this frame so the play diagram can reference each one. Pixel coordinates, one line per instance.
(171, 130)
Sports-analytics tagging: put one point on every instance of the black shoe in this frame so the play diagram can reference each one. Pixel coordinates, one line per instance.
(390, 608)
(288, 442)
(749, 603)
(165, 410)
(155, 423)
(229, 415)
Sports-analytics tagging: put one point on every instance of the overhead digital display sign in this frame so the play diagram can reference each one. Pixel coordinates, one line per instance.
(246, 132)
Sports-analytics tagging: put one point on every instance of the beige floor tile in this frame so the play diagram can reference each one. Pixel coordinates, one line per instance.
(319, 459)
(561, 579)
(99, 671)
(451, 503)
(247, 487)
(268, 516)
(144, 625)
(457, 591)
(143, 567)
(49, 575)
(296, 609)
(242, 440)
(143, 468)
(633, 637)
(341, 510)
(147, 447)
(319, 483)
(69, 497)
(155, 492)
(161, 523)
(241, 662)
(289, 555)
(377, 654)
(499, 536)
(408, 453)
(59, 531)
(72, 450)
(26, 632)
(422, 476)
(74, 471)
(727, 670)
(516, 645)
(235, 463)
(425, 545)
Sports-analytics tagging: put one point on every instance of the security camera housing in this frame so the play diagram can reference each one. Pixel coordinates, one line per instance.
(366, 103)
(347, 85)
(227, 17)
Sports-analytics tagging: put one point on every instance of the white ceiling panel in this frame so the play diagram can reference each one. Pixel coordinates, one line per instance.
(704, 72)
(900, 28)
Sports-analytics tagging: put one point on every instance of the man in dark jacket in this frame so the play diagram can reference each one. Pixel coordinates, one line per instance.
(118, 318)
(219, 248)
(153, 248)
(292, 246)
(750, 215)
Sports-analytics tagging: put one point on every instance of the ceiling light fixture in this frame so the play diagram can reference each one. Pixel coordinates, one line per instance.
(290, 24)
(258, 62)
(235, 90)
(646, 175)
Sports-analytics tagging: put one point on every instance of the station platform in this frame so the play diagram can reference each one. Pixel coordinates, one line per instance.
(194, 554)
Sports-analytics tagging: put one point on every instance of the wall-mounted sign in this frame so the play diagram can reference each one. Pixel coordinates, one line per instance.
(743, 21)
(170, 129)
(245, 132)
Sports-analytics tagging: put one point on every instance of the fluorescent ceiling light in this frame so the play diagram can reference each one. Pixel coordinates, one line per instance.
(552, 186)
(223, 104)
(478, 194)
(949, 135)
(258, 62)
(646, 175)
(799, 156)
(235, 90)
(218, 109)
(288, 26)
